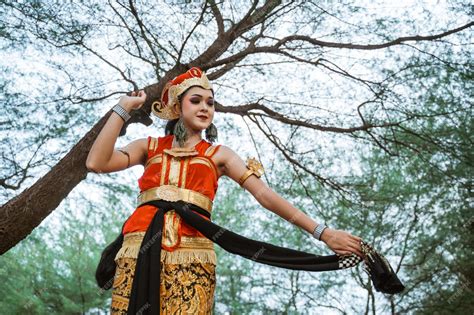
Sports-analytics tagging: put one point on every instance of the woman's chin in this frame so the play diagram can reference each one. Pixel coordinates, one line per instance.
(201, 126)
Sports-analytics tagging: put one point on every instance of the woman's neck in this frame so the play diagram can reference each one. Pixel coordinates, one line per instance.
(190, 142)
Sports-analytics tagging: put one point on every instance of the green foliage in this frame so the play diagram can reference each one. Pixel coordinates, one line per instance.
(52, 270)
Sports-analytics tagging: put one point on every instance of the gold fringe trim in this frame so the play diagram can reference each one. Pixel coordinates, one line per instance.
(128, 252)
(203, 252)
(186, 256)
(131, 245)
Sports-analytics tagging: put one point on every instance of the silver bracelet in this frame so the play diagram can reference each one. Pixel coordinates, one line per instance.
(318, 231)
(121, 112)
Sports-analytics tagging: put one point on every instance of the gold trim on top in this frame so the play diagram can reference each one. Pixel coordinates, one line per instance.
(173, 193)
(210, 150)
(185, 173)
(164, 169)
(204, 161)
(181, 152)
(156, 159)
(175, 167)
(153, 144)
(150, 144)
(200, 160)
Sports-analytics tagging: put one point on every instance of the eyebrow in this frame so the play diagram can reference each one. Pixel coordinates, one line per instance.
(201, 95)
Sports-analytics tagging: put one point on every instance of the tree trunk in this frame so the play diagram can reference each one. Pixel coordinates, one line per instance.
(20, 215)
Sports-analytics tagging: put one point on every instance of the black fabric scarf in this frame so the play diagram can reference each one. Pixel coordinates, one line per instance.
(145, 298)
(105, 272)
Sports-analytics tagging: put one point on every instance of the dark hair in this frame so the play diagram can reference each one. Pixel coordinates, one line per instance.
(169, 128)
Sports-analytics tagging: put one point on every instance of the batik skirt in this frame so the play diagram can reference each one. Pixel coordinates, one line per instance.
(188, 276)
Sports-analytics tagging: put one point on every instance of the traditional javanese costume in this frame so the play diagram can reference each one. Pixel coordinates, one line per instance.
(166, 264)
(188, 258)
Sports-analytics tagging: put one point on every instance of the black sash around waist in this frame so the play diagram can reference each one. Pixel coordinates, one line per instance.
(145, 294)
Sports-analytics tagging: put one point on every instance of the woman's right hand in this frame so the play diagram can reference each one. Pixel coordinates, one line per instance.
(134, 101)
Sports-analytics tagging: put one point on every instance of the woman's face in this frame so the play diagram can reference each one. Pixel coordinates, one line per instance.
(197, 108)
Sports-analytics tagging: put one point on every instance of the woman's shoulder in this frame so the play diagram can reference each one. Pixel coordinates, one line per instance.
(222, 153)
(208, 148)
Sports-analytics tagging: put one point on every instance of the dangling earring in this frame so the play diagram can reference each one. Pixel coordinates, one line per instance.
(211, 133)
(180, 132)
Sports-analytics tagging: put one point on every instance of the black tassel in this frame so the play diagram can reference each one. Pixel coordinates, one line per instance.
(383, 277)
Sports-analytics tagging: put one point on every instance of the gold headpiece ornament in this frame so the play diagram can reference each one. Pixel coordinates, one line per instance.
(168, 106)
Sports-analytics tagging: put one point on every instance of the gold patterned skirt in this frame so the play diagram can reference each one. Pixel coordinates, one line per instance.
(187, 276)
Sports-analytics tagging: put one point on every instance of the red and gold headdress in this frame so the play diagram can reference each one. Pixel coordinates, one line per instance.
(168, 106)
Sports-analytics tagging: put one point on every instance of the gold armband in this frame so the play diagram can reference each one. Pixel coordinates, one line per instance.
(254, 167)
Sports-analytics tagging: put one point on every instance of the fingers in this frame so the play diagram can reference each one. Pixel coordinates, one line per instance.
(349, 251)
(140, 94)
(137, 98)
(350, 246)
(137, 93)
(344, 243)
(355, 245)
(356, 250)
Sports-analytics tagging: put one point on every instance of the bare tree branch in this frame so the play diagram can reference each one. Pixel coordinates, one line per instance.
(218, 16)
(190, 33)
(134, 12)
(394, 42)
(253, 108)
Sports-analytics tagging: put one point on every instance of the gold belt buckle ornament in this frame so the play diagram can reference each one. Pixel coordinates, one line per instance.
(169, 193)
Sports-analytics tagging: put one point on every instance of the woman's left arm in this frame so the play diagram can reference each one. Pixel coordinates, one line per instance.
(231, 165)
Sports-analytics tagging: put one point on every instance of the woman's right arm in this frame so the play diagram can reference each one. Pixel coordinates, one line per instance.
(103, 157)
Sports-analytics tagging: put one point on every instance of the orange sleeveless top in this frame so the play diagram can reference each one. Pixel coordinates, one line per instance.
(198, 173)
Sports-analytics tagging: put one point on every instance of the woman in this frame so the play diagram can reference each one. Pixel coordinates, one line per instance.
(187, 167)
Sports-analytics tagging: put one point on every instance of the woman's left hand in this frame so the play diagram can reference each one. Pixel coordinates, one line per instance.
(342, 242)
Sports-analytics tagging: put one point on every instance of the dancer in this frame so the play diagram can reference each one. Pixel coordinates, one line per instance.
(167, 260)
